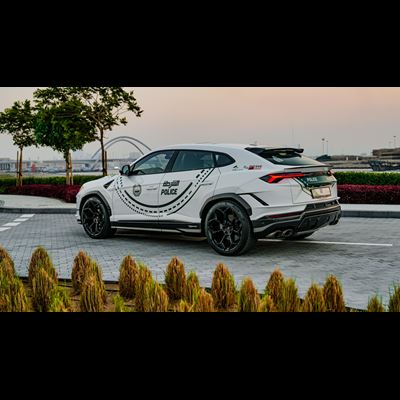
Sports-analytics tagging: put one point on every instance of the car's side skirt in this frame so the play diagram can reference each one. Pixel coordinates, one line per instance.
(172, 226)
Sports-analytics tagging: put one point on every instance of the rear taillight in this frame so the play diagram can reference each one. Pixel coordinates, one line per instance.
(275, 178)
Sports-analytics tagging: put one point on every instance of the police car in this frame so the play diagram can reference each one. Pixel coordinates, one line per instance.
(232, 194)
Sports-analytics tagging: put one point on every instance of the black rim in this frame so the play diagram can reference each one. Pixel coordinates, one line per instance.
(93, 217)
(225, 228)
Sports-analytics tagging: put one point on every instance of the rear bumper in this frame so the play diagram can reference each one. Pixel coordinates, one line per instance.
(315, 216)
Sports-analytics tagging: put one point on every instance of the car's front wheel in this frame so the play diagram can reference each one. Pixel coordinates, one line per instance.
(228, 229)
(96, 219)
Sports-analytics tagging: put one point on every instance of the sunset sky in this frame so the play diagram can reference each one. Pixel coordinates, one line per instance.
(353, 120)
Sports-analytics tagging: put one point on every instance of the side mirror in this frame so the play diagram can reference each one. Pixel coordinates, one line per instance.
(125, 170)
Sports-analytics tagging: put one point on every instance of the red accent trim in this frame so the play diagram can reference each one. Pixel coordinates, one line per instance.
(285, 215)
(274, 178)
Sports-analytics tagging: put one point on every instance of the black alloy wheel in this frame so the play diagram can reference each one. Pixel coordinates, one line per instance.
(95, 219)
(228, 229)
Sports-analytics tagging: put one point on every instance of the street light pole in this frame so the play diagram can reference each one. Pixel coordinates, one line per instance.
(394, 141)
(323, 145)
(327, 151)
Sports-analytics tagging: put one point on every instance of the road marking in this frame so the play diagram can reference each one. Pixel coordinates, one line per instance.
(322, 242)
(17, 221)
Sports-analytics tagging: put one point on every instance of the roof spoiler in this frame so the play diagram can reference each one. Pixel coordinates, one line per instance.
(275, 149)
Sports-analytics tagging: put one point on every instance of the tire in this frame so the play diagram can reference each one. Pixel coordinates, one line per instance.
(228, 229)
(300, 236)
(96, 219)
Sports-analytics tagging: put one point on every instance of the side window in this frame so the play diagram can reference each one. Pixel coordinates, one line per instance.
(154, 164)
(189, 160)
(223, 160)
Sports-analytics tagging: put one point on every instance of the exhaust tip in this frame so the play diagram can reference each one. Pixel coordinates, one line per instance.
(287, 233)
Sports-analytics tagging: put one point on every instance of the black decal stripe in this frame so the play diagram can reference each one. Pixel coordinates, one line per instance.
(132, 207)
(190, 198)
(163, 205)
(261, 201)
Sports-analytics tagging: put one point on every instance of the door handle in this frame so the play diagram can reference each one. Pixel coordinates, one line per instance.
(152, 188)
(206, 183)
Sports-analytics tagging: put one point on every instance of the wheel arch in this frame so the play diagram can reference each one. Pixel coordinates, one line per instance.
(233, 197)
(99, 196)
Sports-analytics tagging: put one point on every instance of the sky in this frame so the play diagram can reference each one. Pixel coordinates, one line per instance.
(352, 120)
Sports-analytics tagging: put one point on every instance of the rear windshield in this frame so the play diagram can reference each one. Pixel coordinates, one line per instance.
(283, 156)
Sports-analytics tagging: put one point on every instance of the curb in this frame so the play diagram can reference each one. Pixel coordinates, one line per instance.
(370, 214)
(11, 210)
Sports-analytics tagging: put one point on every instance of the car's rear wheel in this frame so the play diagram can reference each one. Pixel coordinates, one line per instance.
(228, 229)
(96, 219)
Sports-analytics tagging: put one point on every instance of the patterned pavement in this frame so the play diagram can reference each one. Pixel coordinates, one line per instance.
(357, 252)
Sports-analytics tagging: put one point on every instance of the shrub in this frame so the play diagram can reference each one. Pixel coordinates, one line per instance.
(7, 268)
(223, 288)
(266, 304)
(394, 300)
(333, 295)
(63, 192)
(368, 194)
(275, 285)
(119, 305)
(184, 306)
(127, 277)
(288, 300)
(12, 294)
(175, 279)
(314, 300)
(60, 301)
(203, 301)
(155, 298)
(192, 287)
(248, 300)
(5, 256)
(144, 277)
(43, 288)
(41, 259)
(92, 295)
(375, 305)
(80, 265)
(367, 178)
(93, 270)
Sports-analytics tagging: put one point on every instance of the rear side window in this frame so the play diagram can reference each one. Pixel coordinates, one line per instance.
(222, 160)
(283, 156)
(189, 160)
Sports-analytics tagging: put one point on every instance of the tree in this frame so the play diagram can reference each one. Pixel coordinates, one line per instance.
(63, 128)
(103, 107)
(18, 122)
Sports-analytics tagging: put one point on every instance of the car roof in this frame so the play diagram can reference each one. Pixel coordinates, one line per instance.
(209, 146)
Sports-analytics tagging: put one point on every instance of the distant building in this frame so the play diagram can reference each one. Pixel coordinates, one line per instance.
(393, 153)
(9, 165)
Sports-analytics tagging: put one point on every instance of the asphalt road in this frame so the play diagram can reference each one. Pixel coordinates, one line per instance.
(363, 253)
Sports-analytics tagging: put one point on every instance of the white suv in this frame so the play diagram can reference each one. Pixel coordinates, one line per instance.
(230, 193)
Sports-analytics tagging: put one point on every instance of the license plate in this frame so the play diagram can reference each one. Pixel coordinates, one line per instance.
(321, 192)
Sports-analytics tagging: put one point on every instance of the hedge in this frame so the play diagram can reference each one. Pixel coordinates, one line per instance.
(63, 192)
(45, 180)
(369, 194)
(368, 178)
